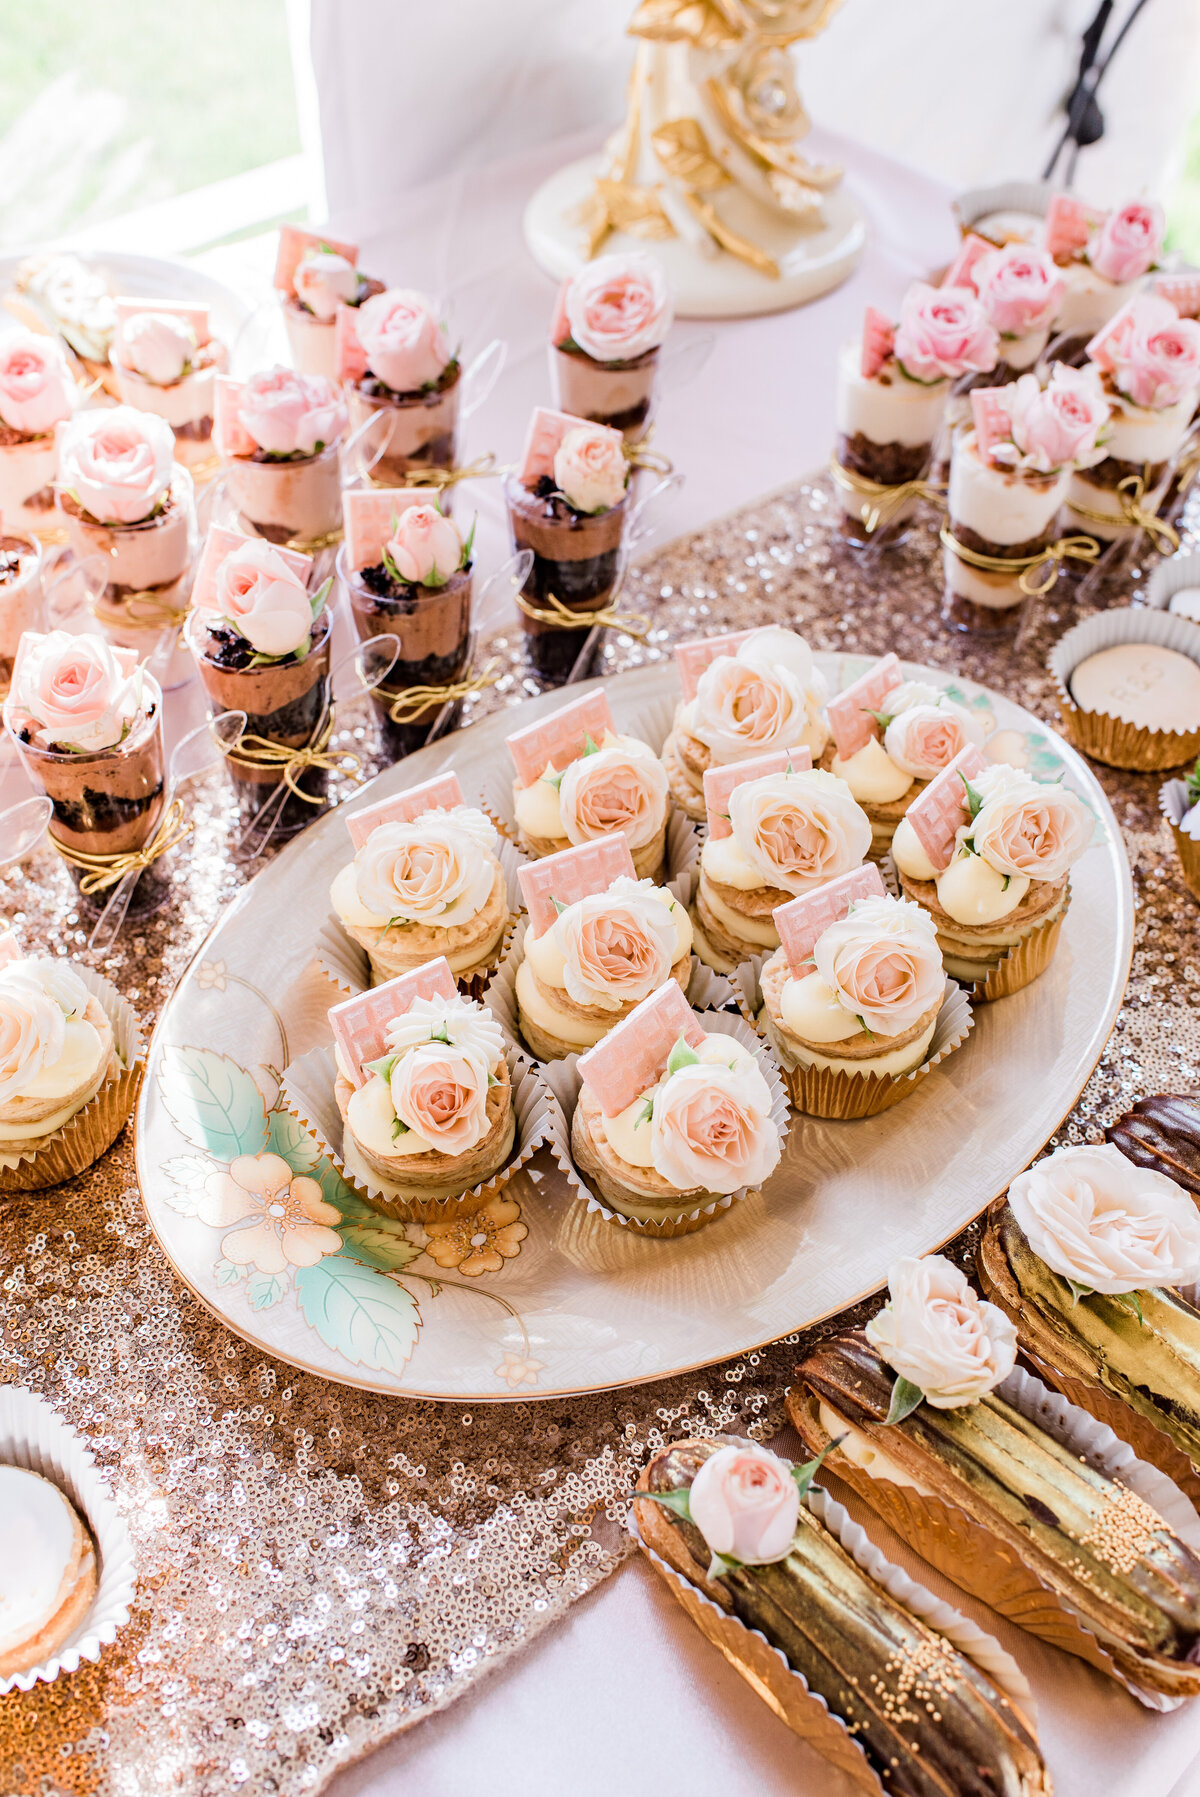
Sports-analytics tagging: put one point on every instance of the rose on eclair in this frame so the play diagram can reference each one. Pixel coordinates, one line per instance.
(36, 389)
(767, 696)
(157, 345)
(925, 737)
(590, 469)
(77, 692)
(1062, 424)
(711, 1128)
(263, 599)
(618, 307)
(936, 1333)
(1019, 287)
(799, 830)
(117, 464)
(290, 414)
(1128, 242)
(32, 1030)
(405, 346)
(1028, 828)
(424, 548)
(1108, 1225)
(622, 788)
(440, 1093)
(435, 870)
(943, 333)
(746, 1504)
(883, 962)
(323, 281)
(618, 946)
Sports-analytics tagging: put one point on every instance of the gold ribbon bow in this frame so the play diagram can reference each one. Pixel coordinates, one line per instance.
(444, 477)
(637, 624)
(314, 545)
(1065, 549)
(408, 705)
(102, 871)
(249, 750)
(1130, 493)
(887, 500)
(640, 455)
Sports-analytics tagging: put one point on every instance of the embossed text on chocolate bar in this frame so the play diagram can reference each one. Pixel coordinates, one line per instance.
(360, 1024)
(560, 738)
(634, 1053)
(804, 920)
(849, 712)
(940, 810)
(556, 881)
(442, 793)
(719, 782)
(692, 658)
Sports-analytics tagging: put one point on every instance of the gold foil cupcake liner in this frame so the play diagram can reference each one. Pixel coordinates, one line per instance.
(1024, 962)
(1174, 803)
(307, 1091)
(1112, 740)
(786, 1691)
(94, 1128)
(973, 1558)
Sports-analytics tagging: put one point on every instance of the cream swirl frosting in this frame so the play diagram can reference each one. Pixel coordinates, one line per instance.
(706, 1124)
(610, 949)
(47, 1047)
(429, 1091)
(879, 968)
(1108, 1225)
(767, 696)
(438, 871)
(936, 1333)
(922, 730)
(619, 788)
(791, 831)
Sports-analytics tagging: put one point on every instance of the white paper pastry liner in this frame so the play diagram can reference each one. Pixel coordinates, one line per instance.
(34, 1436)
(347, 963)
(1174, 803)
(1171, 576)
(1005, 196)
(307, 1090)
(96, 1126)
(1109, 739)
(563, 1079)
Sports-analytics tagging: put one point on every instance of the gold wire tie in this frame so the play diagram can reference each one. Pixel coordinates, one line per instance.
(1079, 549)
(103, 871)
(636, 624)
(408, 704)
(444, 477)
(1130, 492)
(888, 499)
(249, 750)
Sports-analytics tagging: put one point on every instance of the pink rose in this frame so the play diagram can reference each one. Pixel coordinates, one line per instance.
(1152, 354)
(799, 830)
(425, 546)
(292, 414)
(157, 345)
(618, 946)
(440, 1092)
(1020, 289)
(590, 469)
(923, 738)
(1059, 425)
(621, 789)
(118, 464)
(32, 1030)
(1028, 828)
(324, 280)
(746, 1504)
(936, 1333)
(36, 389)
(618, 307)
(405, 346)
(711, 1129)
(1128, 242)
(437, 870)
(944, 332)
(884, 963)
(76, 690)
(264, 600)
(767, 696)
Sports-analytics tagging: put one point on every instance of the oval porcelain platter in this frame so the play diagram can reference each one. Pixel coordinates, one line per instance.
(542, 1297)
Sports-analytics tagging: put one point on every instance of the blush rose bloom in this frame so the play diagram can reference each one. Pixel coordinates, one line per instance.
(1060, 425)
(292, 414)
(1153, 355)
(441, 1093)
(263, 599)
(36, 389)
(712, 1129)
(119, 463)
(1128, 242)
(944, 332)
(618, 307)
(618, 946)
(767, 696)
(938, 1334)
(323, 281)
(33, 1030)
(590, 469)
(1028, 828)
(746, 1504)
(425, 546)
(435, 870)
(884, 963)
(156, 345)
(799, 830)
(620, 790)
(1019, 288)
(1094, 1217)
(405, 346)
(79, 691)
(922, 739)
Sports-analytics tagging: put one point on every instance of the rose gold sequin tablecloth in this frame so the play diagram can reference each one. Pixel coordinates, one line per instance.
(320, 1568)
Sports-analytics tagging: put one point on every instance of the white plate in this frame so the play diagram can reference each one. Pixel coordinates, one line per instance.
(582, 1305)
(148, 277)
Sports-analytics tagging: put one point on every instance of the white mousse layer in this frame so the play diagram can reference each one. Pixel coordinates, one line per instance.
(888, 408)
(1089, 301)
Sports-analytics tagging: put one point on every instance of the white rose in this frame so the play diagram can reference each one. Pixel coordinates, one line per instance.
(746, 1504)
(884, 963)
(936, 1333)
(458, 1020)
(440, 1093)
(158, 346)
(590, 469)
(59, 981)
(768, 696)
(621, 789)
(33, 1030)
(119, 463)
(711, 1128)
(618, 946)
(324, 280)
(1094, 1217)
(432, 871)
(799, 830)
(924, 737)
(1028, 828)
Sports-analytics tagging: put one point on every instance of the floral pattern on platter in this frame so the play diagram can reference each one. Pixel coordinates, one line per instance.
(480, 1243)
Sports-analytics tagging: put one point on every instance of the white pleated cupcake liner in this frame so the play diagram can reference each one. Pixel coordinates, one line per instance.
(1102, 735)
(1170, 577)
(564, 1081)
(1005, 196)
(34, 1436)
(1174, 803)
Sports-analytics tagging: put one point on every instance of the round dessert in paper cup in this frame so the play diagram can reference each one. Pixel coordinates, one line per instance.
(1105, 737)
(1024, 198)
(1179, 573)
(308, 1093)
(1174, 801)
(34, 1436)
(93, 1129)
(563, 1080)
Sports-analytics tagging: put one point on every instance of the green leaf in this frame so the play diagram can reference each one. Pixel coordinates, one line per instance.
(433, 578)
(645, 1114)
(442, 1035)
(862, 1023)
(227, 1272)
(1131, 1301)
(265, 1289)
(213, 1103)
(679, 1502)
(1193, 785)
(365, 1317)
(290, 1139)
(554, 780)
(559, 909)
(399, 1128)
(317, 600)
(379, 1246)
(383, 1066)
(681, 1056)
(590, 747)
(1078, 1291)
(882, 718)
(804, 1475)
(974, 799)
(469, 544)
(905, 1398)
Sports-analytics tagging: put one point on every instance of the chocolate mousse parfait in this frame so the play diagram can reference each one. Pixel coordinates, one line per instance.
(396, 362)
(609, 323)
(20, 597)
(314, 275)
(279, 434)
(36, 394)
(164, 360)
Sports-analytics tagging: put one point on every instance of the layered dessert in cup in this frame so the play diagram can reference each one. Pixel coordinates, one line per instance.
(262, 639)
(579, 780)
(745, 693)
(37, 393)
(20, 595)
(408, 572)
(1148, 360)
(609, 323)
(568, 504)
(395, 359)
(1103, 258)
(314, 275)
(279, 436)
(164, 359)
(87, 724)
(1009, 479)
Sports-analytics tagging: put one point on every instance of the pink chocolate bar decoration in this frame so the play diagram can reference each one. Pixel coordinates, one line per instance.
(10, 948)
(368, 512)
(1183, 291)
(547, 429)
(196, 316)
(1068, 225)
(560, 738)
(219, 545)
(633, 1054)
(231, 435)
(349, 357)
(878, 341)
(803, 921)
(719, 782)
(992, 422)
(442, 793)
(570, 875)
(693, 658)
(360, 1024)
(959, 272)
(942, 807)
(850, 711)
(295, 244)
(1102, 350)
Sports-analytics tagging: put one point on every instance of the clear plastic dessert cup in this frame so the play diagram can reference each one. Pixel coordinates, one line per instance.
(887, 426)
(186, 404)
(577, 564)
(297, 501)
(28, 466)
(619, 394)
(433, 627)
(424, 426)
(999, 515)
(20, 595)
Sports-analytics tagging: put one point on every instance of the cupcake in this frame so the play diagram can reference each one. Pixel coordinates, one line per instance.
(314, 275)
(397, 364)
(987, 851)
(609, 323)
(599, 941)
(670, 1119)
(20, 596)
(579, 781)
(37, 394)
(49, 1583)
(744, 694)
(568, 505)
(1179, 802)
(1103, 259)
(425, 881)
(890, 737)
(164, 359)
(776, 829)
(1128, 687)
(279, 435)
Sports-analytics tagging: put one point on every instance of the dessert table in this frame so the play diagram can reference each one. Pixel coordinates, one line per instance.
(322, 1568)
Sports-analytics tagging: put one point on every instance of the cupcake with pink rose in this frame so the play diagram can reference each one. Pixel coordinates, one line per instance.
(314, 275)
(609, 324)
(1103, 258)
(37, 393)
(279, 435)
(164, 359)
(397, 363)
